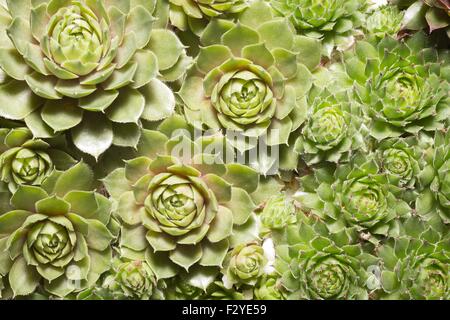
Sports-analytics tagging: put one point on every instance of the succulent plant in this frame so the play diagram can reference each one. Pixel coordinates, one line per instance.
(278, 212)
(415, 265)
(218, 291)
(334, 127)
(28, 161)
(269, 288)
(87, 67)
(193, 16)
(317, 264)
(356, 194)
(426, 14)
(57, 236)
(244, 265)
(402, 84)
(383, 21)
(334, 22)
(402, 159)
(250, 78)
(434, 197)
(178, 289)
(184, 209)
(131, 279)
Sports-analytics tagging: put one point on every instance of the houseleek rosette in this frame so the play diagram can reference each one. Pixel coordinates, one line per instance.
(28, 161)
(402, 159)
(426, 14)
(244, 265)
(334, 22)
(402, 84)
(434, 179)
(87, 67)
(383, 21)
(278, 212)
(130, 279)
(319, 265)
(178, 289)
(184, 209)
(269, 288)
(193, 15)
(57, 236)
(416, 263)
(249, 78)
(356, 195)
(334, 127)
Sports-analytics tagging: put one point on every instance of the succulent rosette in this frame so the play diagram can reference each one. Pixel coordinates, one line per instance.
(28, 161)
(383, 21)
(434, 179)
(426, 14)
(244, 265)
(269, 288)
(402, 159)
(250, 77)
(218, 291)
(278, 212)
(183, 207)
(402, 84)
(316, 264)
(91, 68)
(334, 127)
(416, 264)
(356, 194)
(178, 289)
(334, 22)
(193, 15)
(57, 236)
(131, 279)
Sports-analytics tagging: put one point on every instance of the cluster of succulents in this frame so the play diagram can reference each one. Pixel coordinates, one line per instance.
(224, 149)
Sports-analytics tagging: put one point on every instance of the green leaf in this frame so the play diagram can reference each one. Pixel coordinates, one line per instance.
(61, 115)
(25, 197)
(13, 220)
(222, 225)
(126, 134)
(161, 264)
(128, 210)
(239, 37)
(52, 206)
(98, 238)
(241, 205)
(211, 57)
(17, 100)
(308, 51)
(214, 253)
(134, 237)
(242, 176)
(166, 46)
(220, 187)
(277, 34)
(187, 255)
(161, 241)
(159, 101)
(12, 63)
(116, 183)
(258, 54)
(99, 101)
(147, 68)
(83, 203)
(127, 107)
(94, 135)
(79, 177)
(23, 279)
